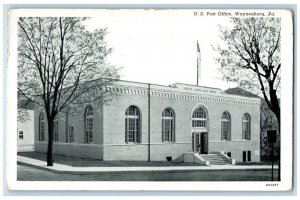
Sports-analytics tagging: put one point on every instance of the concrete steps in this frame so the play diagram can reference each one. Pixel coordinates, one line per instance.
(214, 159)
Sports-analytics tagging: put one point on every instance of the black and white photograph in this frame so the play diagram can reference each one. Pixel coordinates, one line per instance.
(150, 99)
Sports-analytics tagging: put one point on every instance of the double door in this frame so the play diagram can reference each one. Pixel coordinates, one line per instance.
(200, 142)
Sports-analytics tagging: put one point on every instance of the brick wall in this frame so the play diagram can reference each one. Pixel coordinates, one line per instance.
(114, 128)
(236, 149)
(109, 125)
(75, 118)
(94, 151)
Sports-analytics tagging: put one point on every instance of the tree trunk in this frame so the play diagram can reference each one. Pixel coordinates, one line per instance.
(50, 152)
(276, 109)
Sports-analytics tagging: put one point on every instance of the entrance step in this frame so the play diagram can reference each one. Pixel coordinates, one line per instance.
(191, 157)
(215, 159)
(205, 159)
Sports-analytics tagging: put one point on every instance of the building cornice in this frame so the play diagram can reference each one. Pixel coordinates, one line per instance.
(205, 95)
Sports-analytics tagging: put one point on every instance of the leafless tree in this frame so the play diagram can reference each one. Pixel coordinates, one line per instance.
(250, 55)
(59, 62)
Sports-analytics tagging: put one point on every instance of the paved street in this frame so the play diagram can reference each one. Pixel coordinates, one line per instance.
(26, 173)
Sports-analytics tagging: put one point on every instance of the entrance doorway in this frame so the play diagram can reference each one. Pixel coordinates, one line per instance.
(200, 142)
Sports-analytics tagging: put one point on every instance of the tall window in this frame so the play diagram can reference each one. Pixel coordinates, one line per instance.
(246, 126)
(168, 125)
(199, 118)
(225, 126)
(89, 124)
(42, 127)
(55, 129)
(132, 125)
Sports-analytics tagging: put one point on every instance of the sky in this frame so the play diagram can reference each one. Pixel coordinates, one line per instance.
(159, 46)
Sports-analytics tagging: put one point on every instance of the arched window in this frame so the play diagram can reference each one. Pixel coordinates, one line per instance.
(225, 126)
(89, 124)
(132, 125)
(168, 125)
(199, 118)
(55, 129)
(42, 127)
(246, 127)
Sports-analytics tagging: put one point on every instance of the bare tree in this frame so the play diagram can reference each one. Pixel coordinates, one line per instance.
(250, 55)
(59, 62)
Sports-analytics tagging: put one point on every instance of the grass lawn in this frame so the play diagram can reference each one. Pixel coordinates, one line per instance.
(26, 173)
(85, 162)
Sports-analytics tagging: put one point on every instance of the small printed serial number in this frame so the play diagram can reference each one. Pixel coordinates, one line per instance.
(272, 184)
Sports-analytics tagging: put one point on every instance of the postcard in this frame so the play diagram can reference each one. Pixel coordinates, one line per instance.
(150, 99)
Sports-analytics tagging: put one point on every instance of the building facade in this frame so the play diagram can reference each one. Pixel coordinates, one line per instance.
(149, 122)
(25, 131)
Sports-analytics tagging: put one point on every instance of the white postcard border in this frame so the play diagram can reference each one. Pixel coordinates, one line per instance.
(286, 139)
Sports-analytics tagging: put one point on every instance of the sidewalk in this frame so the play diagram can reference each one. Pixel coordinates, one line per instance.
(59, 168)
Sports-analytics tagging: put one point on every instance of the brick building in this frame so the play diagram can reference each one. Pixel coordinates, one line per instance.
(153, 122)
(149, 122)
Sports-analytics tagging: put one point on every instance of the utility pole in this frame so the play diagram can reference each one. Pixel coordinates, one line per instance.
(149, 121)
